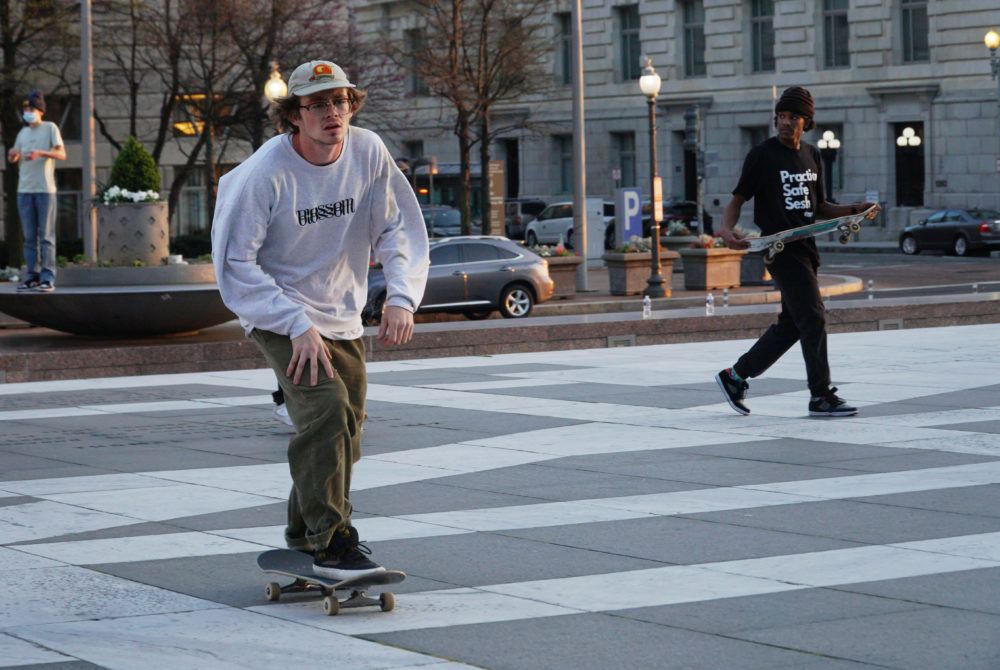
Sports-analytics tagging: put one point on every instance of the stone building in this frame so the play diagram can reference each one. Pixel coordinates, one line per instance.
(875, 68)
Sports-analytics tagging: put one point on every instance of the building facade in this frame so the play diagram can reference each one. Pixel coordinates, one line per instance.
(879, 70)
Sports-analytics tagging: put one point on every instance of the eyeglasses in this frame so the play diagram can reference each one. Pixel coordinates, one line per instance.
(320, 108)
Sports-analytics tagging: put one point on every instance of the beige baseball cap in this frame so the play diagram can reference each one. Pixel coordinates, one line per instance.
(316, 76)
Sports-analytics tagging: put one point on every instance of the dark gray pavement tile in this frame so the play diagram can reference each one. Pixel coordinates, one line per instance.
(973, 590)
(983, 396)
(773, 610)
(148, 458)
(929, 639)
(795, 451)
(55, 473)
(133, 530)
(390, 423)
(592, 641)
(971, 500)
(476, 559)
(974, 427)
(50, 399)
(910, 461)
(248, 517)
(426, 497)
(857, 522)
(679, 540)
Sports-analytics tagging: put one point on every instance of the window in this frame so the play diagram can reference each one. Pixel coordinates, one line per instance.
(474, 253)
(415, 45)
(762, 35)
(915, 30)
(564, 49)
(835, 34)
(446, 255)
(69, 186)
(564, 150)
(631, 47)
(694, 38)
(191, 213)
(414, 149)
(64, 111)
(754, 135)
(623, 146)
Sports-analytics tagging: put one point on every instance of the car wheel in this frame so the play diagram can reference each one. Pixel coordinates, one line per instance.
(371, 315)
(516, 301)
(908, 245)
(960, 247)
(477, 314)
(531, 239)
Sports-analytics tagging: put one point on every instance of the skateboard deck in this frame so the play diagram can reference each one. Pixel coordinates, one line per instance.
(845, 225)
(298, 565)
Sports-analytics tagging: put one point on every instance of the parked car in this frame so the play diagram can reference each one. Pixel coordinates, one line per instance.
(442, 221)
(518, 213)
(962, 232)
(555, 222)
(474, 276)
(673, 210)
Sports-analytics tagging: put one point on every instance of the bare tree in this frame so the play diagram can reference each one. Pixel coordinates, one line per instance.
(476, 54)
(36, 44)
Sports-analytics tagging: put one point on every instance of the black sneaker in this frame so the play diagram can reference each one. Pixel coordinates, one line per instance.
(735, 391)
(28, 285)
(831, 404)
(46, 287)
(345, 557)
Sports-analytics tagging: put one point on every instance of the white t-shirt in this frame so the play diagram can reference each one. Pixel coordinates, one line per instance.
(39, 175)
(291, 241)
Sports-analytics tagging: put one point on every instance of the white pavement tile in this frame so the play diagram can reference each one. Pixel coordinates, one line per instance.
(117, 482)
(161, 503)
(489, 385)
(38, 520)
(15, 652)
(13, 559)
(140, 548)
(272, 479)
(69, 593)
(218, 639)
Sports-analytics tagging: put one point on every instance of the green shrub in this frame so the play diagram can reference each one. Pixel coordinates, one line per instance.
(134, 168)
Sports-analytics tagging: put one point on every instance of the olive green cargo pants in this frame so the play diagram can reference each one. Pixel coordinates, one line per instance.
(327, 440)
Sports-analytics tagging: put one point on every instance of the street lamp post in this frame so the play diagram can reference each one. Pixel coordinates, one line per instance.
(649, 84)
(828, 147)
(992, 41)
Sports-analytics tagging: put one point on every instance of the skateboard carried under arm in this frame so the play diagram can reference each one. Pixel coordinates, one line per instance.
(845, 225)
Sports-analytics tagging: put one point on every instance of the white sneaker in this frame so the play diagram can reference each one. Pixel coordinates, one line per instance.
(282, 413)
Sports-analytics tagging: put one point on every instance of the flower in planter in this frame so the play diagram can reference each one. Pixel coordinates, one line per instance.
(635, 245)
(708, 242)
(546, 251)
(134, 176)
(676, 228)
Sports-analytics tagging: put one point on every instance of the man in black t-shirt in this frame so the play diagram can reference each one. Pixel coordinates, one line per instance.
(784, 177)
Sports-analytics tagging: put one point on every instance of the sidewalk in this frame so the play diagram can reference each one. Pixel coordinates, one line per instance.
(559, 510)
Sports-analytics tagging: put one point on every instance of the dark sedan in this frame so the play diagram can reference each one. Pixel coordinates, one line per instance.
(474, 276)
(962, 232)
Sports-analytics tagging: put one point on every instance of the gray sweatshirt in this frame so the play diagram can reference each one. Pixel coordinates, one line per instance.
(291, 241)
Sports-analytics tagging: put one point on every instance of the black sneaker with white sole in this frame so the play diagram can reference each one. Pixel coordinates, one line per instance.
(28, 285)
(735, 391)
(46, 287)
(830, 404)
(345, 557)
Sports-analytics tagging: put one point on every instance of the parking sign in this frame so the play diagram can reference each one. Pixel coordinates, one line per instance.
(628, 215)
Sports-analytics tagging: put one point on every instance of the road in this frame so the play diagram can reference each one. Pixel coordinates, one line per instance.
(897, 275)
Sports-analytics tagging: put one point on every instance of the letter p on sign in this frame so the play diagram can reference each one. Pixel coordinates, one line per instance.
(628, 215)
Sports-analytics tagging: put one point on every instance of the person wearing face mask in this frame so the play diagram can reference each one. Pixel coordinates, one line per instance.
(37, 148)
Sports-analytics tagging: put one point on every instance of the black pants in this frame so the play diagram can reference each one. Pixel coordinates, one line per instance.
(802, 319)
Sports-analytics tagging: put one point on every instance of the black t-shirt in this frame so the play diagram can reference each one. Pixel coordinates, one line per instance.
(787, 187)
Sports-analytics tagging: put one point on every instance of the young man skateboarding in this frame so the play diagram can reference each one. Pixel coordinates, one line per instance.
(784, 177)
(294, 228)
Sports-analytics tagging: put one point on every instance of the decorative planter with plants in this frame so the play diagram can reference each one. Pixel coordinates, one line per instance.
(677, 236)
(711, 265)
(133, 228)
(562, 268)
(629, 267)
(753, 271)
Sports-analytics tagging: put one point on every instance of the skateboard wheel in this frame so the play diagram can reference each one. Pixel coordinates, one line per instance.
(844, 239)
(387, 602)
(331, 606)
(779, 246)
(273, 591)
(855, 227)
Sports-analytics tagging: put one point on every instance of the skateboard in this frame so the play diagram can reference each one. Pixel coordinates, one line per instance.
(298, 565)
(845, 225)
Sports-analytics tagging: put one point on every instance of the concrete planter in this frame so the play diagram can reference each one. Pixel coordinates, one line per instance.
(129, 232)
(562, 270)
(676, 243)
(163, 275)
(629, 273)
(706, 269)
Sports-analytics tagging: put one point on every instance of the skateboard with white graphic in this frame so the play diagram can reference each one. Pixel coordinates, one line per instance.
(845, 225)
(298, 565)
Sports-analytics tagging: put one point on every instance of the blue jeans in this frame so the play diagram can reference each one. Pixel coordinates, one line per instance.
(38, 221)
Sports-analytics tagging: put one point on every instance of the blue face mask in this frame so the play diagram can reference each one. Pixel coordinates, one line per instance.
(29, 117)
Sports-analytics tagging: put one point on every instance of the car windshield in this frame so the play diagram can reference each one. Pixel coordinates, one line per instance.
(984, 214)
(448, 218)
